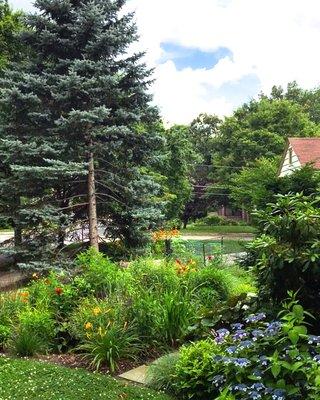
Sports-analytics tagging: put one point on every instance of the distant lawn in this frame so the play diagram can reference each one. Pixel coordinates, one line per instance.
(213, 246)
(220, 229)
(32, 380)
(233, 246)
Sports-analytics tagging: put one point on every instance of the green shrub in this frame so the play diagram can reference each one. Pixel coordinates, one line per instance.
(287, 254)
(163, 321)
(252, 360)
(10, 306)
(105, 346)
(209, 285)
(34, 332)
(24, 343)
(160, 374)
(194, 369)
(104, 333)
(102, 275)
(5, 333)
(154, 275)
(218, 220)
(96, 313)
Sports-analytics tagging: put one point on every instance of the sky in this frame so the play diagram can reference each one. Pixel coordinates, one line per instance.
(213, 55)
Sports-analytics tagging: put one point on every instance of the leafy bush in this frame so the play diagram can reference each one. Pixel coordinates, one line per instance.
(5, 333)
(154, 302)
(194, 369)
(208, 285)
(162, 322)
(101, 274)
(104, 334)
(34, 333)
(158, 372)
(97, 314)
(155, 276)
(287, 254)
(255, 360)
(107, 345)
(218, 220)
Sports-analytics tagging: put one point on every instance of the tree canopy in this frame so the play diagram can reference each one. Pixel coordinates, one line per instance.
(77, 130)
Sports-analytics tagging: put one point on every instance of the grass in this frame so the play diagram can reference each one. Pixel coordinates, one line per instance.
(33, 380)
(220, 229)
(212, 246)
(233, 246)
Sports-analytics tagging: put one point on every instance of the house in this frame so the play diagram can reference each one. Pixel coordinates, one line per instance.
(298, 152)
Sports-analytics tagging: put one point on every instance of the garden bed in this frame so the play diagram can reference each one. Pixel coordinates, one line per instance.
(109, 318)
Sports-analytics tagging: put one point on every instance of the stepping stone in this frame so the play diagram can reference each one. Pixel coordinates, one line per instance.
(137, 375)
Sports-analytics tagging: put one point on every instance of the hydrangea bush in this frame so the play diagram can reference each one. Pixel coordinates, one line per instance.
(256, 359)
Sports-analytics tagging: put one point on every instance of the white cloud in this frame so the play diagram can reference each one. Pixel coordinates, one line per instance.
(276, 40)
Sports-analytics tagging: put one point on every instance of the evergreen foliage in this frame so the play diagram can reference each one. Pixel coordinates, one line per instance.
(81, 95)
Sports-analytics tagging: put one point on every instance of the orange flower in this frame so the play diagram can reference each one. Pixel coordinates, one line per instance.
(58, 291)
(24, 294)
(163, 234)
(88, 325)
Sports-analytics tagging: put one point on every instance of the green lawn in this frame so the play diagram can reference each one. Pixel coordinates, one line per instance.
(220, 229)
(213, 246)
(32, 380)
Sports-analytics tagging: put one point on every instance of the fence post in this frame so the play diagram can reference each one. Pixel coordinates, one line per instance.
(221, 244)
(204, 253)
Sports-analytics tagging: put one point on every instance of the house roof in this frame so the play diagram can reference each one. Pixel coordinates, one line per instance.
(307, 150)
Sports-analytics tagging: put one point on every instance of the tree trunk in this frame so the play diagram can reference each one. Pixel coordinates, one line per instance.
(92, 206)
(17, 226)
(17, 235)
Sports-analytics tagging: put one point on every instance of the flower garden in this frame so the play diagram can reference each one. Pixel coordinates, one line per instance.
(205, 329)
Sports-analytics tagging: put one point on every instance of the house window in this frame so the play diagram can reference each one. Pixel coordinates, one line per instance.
(290, 156)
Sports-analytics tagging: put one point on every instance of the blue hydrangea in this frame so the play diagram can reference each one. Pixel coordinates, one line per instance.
(255, 317)
(257, 333)
(239, 335)
(258, 387)
(254, 395)
(231, 349)
(236, 326)
(240, 387)
(245, 344)
(278, 394)
(263, 361)
(241, 362)
(257, 373)
(273, 328)
(316, 358)
(218, 380)
(221, 335)
(314, 340)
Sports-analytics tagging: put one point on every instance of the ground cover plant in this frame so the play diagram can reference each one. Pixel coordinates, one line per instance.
(107, 313)
(254, 359)
(25, 379)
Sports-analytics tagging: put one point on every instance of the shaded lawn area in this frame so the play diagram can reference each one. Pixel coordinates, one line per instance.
(219, 229)
(214, 246)
(33, 380)
(233, 246)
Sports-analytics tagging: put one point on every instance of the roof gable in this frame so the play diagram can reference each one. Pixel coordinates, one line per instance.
(307, 150)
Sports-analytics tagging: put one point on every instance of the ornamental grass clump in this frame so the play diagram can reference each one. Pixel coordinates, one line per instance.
(256, 359)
